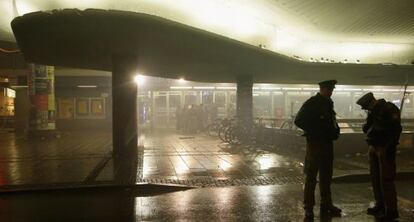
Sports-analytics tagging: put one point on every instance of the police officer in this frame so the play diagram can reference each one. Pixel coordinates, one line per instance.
(382, 129)
(317, 119)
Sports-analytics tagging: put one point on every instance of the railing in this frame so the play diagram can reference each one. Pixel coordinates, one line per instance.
(347, 125)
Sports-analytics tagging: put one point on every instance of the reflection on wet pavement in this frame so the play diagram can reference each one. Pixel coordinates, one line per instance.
(173, 157)
(237, 203)
(255, 203)
(84, 158)
(70, 158)
(227, 175)
(162, 157)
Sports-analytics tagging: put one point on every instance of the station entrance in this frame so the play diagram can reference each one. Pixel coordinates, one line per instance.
(180, 146)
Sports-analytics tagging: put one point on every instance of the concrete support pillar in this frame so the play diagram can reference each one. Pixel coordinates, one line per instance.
(41, 91)
(124, 119)
(245, 99)
(124, 104)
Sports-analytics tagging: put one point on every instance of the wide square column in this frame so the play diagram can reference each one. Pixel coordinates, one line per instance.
(124, 105)
(124, 117)
(245, 99)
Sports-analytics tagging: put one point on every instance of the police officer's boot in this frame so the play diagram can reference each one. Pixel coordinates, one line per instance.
(331, 210)
(376, 210)
(388, 215)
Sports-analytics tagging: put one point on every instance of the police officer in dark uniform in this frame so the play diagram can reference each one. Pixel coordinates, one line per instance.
(317, 119)
(382, 129)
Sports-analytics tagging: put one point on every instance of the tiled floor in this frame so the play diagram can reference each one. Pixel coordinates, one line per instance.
(64, 160)
(171, 155)
(167, 157)
(235, 203)
(76, 157)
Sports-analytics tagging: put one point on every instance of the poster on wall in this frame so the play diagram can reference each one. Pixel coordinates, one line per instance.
(41, 92)
(40, 71)
(82, 107)
(41, 102)
(31, 79)
(51, 79)
(42, 86)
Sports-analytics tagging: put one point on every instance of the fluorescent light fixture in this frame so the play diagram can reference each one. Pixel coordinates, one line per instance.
(312, 89)
(255, 87)
(204, 87)
(391, 90)
(181, 87)
(19, 86)
(270, 88)
(226, 87)
(341, 93)
(291, 88)
(353, 89)
(372, 90)
(87, 86)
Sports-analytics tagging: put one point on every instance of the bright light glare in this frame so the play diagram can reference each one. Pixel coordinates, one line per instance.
(181, 80)
(265, 162)
(139, 79)
(224, 164)
(286, 41)
(24, 7)
(254, 23)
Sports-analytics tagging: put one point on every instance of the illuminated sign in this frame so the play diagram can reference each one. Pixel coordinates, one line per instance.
(10, 93)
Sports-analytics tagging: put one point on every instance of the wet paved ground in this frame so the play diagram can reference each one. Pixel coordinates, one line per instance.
(168, 157)
(203, 160)
(70, 158)
(238, 185)
(239, 203)
(84, 157)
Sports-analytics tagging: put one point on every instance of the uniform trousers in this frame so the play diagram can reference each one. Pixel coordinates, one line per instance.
(383, 171)
(319, 158)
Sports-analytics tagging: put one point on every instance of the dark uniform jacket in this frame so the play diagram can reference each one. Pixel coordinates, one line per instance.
(383, 124)
(317, 119)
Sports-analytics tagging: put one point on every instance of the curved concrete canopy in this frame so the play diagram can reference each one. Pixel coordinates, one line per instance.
(88, 39)
(369, 31)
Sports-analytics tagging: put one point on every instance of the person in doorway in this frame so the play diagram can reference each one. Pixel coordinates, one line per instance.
(317, 119)
(382, 129)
